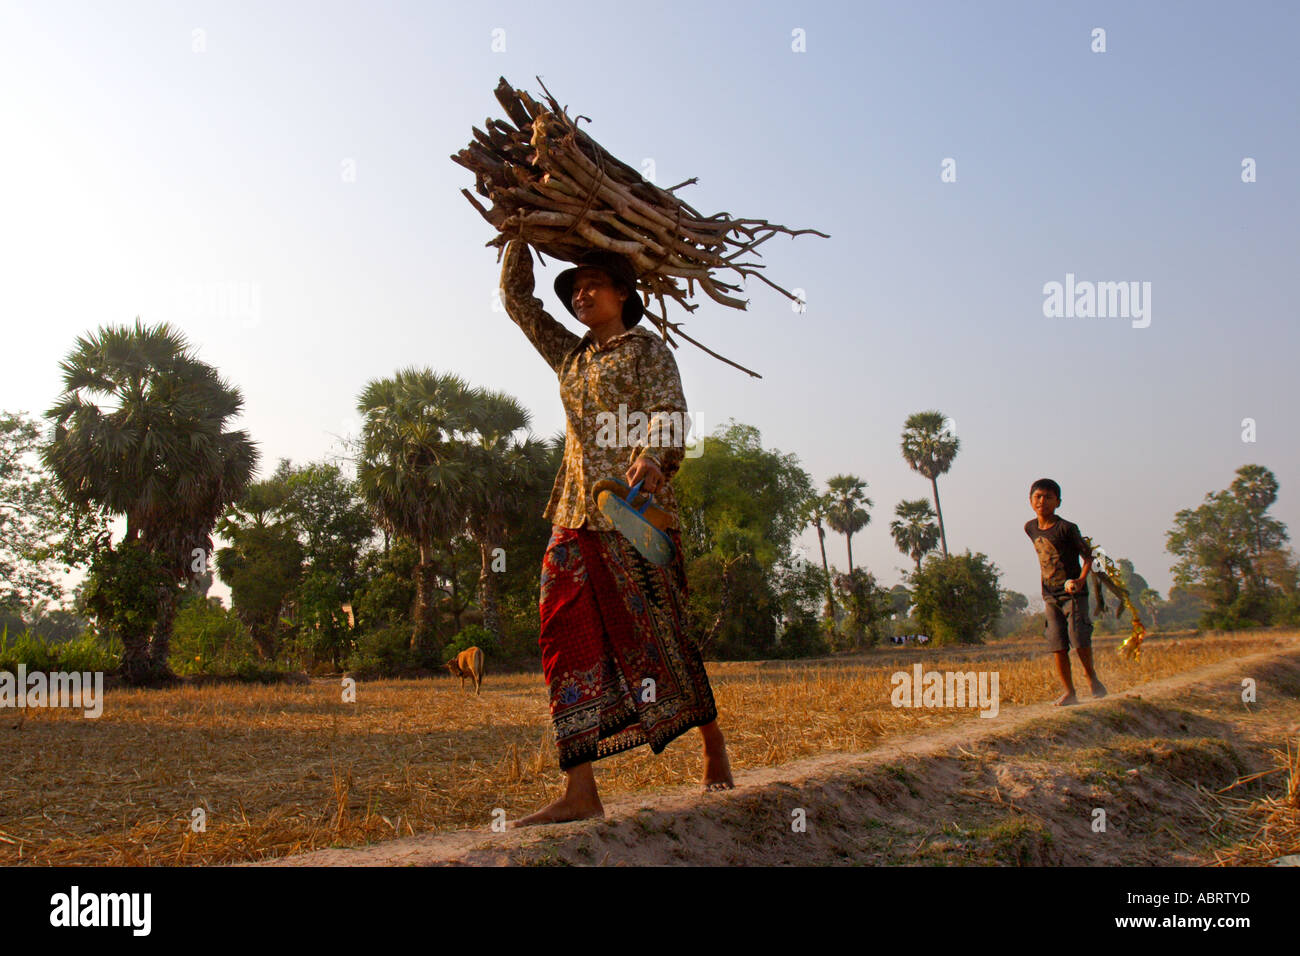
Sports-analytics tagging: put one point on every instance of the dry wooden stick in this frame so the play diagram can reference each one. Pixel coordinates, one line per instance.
(553, 186)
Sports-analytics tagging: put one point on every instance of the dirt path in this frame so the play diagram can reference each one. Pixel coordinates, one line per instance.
(1024, 787)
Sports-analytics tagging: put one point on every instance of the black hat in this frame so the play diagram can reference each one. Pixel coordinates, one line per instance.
(617, 268)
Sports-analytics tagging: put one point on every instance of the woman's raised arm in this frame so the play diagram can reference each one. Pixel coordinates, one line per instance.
(548, 336)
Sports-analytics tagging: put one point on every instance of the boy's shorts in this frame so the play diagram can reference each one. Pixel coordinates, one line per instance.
(1068, 624)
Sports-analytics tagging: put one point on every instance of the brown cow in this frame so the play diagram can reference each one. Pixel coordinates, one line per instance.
(467, 664)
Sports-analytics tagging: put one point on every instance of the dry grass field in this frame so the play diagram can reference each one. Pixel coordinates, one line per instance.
(283, 769)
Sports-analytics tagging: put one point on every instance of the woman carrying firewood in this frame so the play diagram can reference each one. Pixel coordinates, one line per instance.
(620, 669)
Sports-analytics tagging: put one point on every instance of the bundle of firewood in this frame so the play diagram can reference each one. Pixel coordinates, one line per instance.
(557, 189)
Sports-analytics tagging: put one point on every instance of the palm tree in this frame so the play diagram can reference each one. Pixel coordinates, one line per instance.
(412, 469)
(929, 448)
(847, 514)
(507, 474)
(914, 530)
(139, 431)
(815, 512)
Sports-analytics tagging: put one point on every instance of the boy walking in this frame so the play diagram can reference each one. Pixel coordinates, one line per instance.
(1065, 561)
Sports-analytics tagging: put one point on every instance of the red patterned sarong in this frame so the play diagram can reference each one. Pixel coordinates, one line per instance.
(620, 668)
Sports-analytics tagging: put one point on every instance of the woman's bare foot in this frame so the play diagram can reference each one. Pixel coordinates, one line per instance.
(1066, 700)
(717, 773)
(717, 767)
(1098, 689)
(580, 801)
(563, 810)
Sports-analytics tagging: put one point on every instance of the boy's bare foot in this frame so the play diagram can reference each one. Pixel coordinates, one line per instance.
(562, 811)
(1098, 689)
(1066, 700)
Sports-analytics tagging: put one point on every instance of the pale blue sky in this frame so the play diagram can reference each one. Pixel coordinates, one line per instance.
(136, 170)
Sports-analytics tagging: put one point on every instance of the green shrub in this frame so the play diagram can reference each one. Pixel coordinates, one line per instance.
(26, 649)
(383, 652)
(84, 653)
(258, 672)
(89, 653)
(209, 639)
(1249, 609)
(957, 599)
(475, 635)
(804, 637)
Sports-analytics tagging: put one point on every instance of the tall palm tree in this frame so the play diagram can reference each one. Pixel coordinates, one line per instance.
(507, 474)
(139, 431)
(914, 530)
(412, 469)
(848, 513)
(1255, 488)
(815, 512)
(929, 448)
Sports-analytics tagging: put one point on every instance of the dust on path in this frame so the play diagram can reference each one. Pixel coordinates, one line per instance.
(1021, 788)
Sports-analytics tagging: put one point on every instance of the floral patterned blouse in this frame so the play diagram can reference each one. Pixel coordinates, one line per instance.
(634, 370)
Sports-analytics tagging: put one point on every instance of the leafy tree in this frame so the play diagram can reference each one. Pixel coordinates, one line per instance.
(1012, 614)
(387, 592)
(263, 566)
(734, 607)
(323, 627)
(1013, 602)
(1183, 608)
(736, 488)
(457, 566)
(326, 512)
(803, 638)
(34, 520)
(869, 607)
(1133, 582)
(741, 506)
(1223, 547)
(929, 448)
(1151, 601)
(140, 431)
(315, 527)
(848, 512)
(121, 591)
(900, 600)
(957, 598)
(1280, 570)
(799, 586)
(914, 531)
